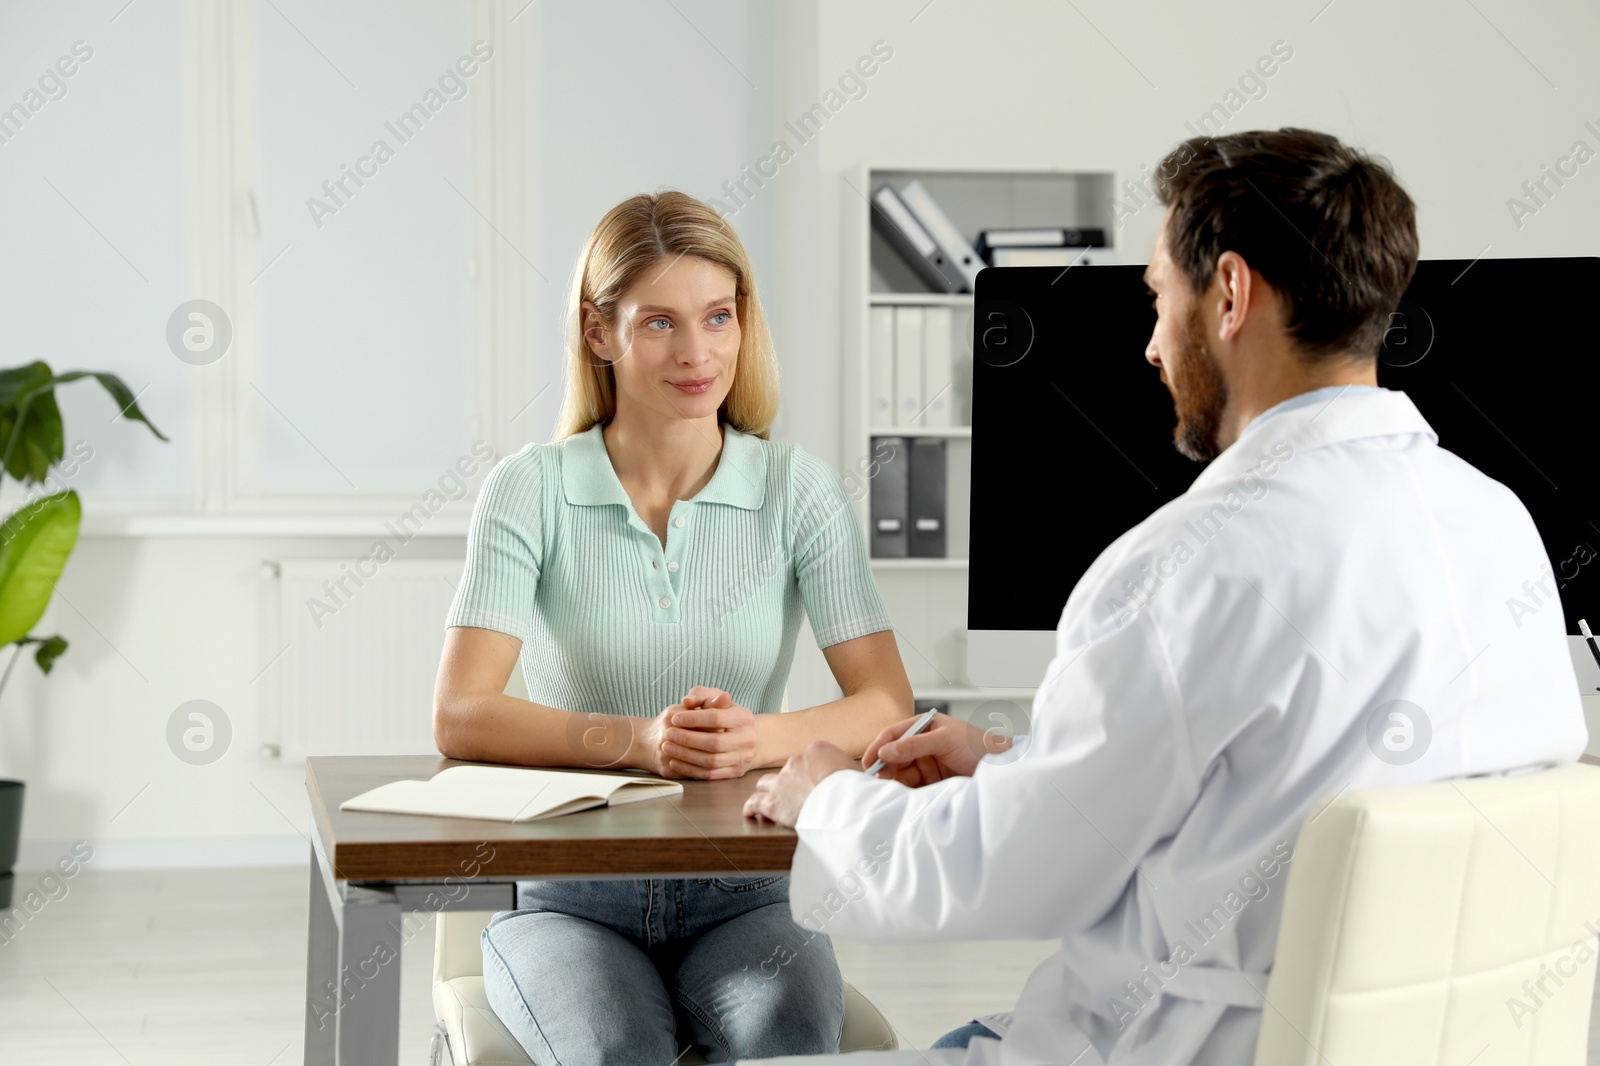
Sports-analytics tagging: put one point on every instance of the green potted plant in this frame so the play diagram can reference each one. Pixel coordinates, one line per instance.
(36, 538)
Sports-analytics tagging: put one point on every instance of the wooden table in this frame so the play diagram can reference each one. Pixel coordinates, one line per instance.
(367, 869)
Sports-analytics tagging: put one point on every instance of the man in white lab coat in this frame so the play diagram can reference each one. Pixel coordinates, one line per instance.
(1324, 609)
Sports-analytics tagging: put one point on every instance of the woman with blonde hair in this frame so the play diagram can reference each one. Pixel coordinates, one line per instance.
(649, 567)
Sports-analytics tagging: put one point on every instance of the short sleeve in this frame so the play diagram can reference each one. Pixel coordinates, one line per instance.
(830, 557)
(504, 544)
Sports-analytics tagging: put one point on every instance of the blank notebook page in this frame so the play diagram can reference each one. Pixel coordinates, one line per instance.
(508, 794)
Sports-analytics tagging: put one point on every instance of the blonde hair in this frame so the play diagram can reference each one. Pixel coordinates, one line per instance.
(642, 232)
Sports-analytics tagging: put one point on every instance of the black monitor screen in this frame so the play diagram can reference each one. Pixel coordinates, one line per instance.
(1072, 428)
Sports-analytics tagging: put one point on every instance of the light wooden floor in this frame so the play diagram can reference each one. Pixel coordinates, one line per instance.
(206, 967)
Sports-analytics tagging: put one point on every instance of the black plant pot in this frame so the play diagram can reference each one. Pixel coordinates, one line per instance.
(10, 833)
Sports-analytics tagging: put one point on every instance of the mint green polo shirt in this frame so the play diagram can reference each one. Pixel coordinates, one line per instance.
(611, 621)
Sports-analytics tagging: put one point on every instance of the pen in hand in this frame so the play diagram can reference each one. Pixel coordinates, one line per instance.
(1594, 649)
(916, 727)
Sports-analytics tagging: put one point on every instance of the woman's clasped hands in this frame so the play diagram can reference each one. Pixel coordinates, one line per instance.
(706, 735)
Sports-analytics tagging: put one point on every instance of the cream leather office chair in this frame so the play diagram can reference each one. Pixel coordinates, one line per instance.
(1447, 923)
(469, 1034)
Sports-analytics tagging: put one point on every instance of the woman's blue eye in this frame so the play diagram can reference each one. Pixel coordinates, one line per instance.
(720, 318)
(651, 324)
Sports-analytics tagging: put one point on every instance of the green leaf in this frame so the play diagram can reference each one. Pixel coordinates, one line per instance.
(15, 379)
(118, 390)
(32, 439)
(43, 439)
(35, 542)
(50, 649)
(21, 420)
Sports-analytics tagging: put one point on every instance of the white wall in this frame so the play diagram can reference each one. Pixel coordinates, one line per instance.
(153, 623)
(1460, 111)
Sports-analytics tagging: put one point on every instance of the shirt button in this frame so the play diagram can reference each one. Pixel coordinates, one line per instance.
(678, 521)
(672, 567)
(665, 603)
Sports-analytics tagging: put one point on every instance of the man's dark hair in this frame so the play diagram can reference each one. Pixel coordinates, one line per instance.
(1326, 225)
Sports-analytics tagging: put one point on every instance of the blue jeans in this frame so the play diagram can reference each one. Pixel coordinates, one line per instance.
(963, 1036)
(622, 972)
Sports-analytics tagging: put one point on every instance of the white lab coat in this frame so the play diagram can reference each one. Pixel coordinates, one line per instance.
(1215, 672)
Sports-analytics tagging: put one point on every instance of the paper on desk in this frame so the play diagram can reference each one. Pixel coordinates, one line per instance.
(508, 793)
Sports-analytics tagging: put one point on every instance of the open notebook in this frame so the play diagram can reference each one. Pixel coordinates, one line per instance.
(508, 793)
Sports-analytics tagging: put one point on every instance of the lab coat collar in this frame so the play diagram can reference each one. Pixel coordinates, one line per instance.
(589, 479)
(1346, 417)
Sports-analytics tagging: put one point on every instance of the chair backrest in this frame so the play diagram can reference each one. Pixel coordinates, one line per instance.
(456, 950)
(1426, 924)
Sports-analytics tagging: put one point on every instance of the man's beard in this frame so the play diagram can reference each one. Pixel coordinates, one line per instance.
(1198, 392)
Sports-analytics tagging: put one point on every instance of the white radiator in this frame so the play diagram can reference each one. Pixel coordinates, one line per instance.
(352, 647)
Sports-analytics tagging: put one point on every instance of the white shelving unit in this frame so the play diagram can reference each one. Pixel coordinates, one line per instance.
(962, 300)
(919, 564)
(952, 432)
(968, 694)
(927, 598)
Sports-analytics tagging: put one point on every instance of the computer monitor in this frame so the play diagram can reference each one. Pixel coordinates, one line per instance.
(1072, 428)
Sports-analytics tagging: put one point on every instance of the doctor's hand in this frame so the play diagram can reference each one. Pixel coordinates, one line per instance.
(949, 747)
(778, 797)
(708, 736)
